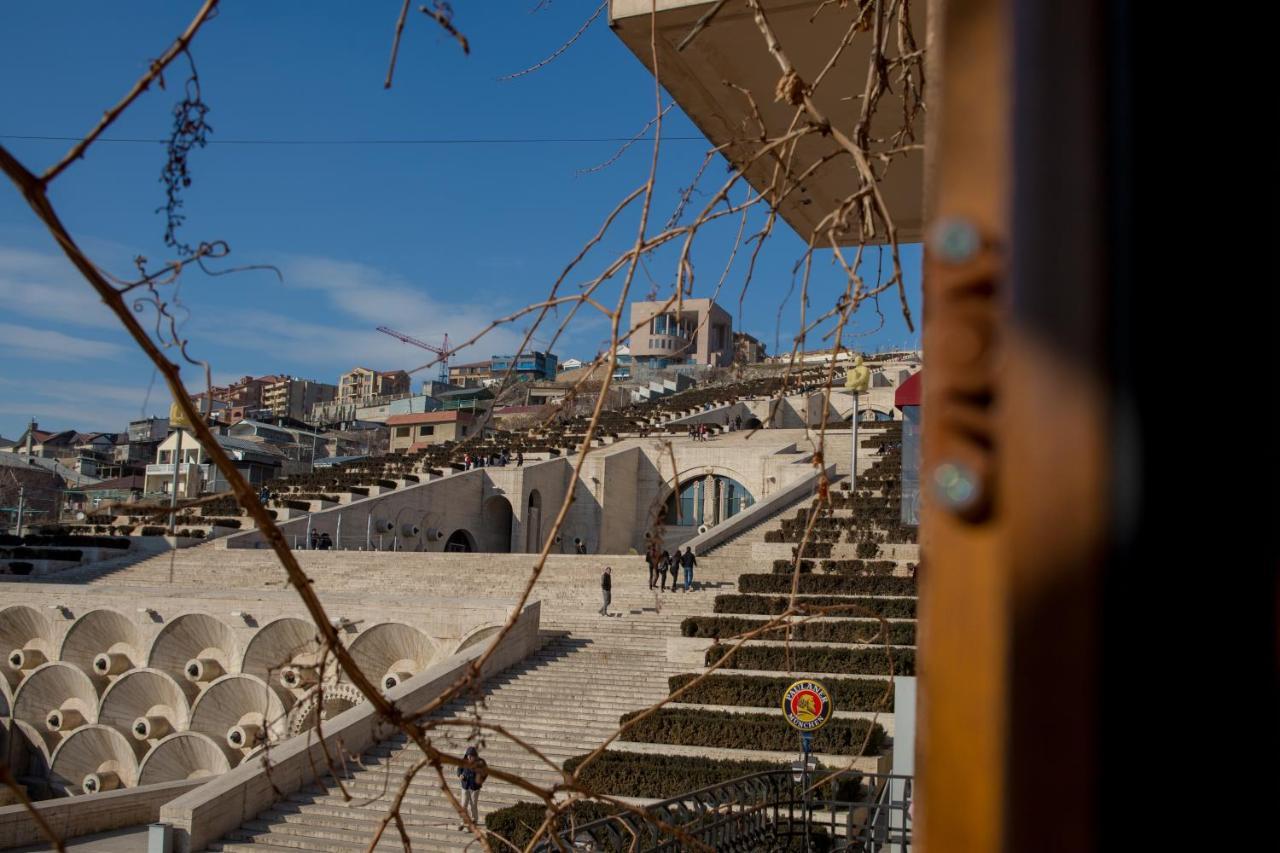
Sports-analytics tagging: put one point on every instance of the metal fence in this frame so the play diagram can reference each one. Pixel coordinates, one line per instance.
(761, 812)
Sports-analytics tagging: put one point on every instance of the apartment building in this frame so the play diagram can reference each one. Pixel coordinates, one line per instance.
(291, 397)
(362, 384)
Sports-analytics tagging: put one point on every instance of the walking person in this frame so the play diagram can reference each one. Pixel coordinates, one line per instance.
(606, 590)
(651, 557)
(473, 775)
(664, 563)
(315, 539)
(688, 561)
(519, 458)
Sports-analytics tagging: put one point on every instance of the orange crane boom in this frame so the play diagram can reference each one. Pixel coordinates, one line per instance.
(443, 351)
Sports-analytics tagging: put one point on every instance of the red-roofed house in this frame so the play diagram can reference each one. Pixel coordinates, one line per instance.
(422, 429)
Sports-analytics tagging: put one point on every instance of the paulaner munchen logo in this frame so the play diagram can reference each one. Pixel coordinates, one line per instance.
(807, 705)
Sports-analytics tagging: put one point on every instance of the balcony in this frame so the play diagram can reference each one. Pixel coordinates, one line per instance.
(165, 469)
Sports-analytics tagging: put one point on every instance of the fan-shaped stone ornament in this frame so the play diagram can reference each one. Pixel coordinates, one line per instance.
(26, 641)
(144, 705)
(94, 759)
(285, 653)
(54, 700)
(183, 755)
(103, 644)
(196, 649)
(239, 712)
(392, 652)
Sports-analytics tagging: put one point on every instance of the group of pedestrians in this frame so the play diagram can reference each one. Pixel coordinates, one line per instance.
(500, 459)
(699, 432)
(662, 563)
(320, 541)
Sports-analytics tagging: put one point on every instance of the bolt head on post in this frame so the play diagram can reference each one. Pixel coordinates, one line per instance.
(954, 240)
(956, 486)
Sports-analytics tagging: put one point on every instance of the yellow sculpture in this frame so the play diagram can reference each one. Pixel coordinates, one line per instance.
(858, 377)
(177, 417)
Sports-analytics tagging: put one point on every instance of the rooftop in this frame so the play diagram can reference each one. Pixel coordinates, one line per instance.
(428, 418)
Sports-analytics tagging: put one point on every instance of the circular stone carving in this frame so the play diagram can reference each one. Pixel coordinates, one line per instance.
(337, 698)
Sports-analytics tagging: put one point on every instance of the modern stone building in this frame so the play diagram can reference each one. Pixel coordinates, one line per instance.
(700, 332)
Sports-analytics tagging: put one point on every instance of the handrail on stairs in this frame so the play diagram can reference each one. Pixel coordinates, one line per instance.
(760, 811)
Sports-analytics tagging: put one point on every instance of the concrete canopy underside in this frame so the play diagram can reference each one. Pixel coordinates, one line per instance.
(732, 48)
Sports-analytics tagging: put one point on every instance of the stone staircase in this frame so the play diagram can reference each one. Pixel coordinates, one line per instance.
(569, 587)
(564, 698)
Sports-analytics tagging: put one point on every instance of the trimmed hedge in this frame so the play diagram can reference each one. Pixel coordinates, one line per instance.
(226, 522)
(859, 567)
(20, 568)
(660, 777)
(788, 567)
(830, 584)
(755, 691)
(844, 631)
(518, 823)
(150, 530)
(730, 730)
(816, 659)
(772, 605)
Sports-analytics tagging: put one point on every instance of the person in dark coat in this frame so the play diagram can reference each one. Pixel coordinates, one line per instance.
(688, 561)
(473, 777)
(664, 565)
(651, 557)
(606, 590)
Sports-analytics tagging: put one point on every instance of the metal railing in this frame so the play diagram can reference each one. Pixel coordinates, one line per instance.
(762, 811)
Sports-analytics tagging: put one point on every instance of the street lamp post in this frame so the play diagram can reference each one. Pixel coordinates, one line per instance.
(857, 379)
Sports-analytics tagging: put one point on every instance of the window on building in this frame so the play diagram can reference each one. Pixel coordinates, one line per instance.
(402, 432)
(427, 429)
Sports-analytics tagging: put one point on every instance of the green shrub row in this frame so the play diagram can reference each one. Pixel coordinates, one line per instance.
(757, 691)
(730, 730)
(859, 567)
(660, 777)
(519, 822)
(843, 631)
(829, 584)
(856, 608)
(815, 659)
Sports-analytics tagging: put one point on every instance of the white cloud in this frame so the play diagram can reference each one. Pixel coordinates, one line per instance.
(67, 404)
(50, 345)
(45, 286)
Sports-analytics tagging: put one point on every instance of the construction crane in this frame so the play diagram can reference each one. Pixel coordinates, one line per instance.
(442, 351)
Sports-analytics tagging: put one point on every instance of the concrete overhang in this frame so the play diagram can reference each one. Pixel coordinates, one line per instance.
(732, 48)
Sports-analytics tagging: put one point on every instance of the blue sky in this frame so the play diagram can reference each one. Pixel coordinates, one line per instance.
(426, 238)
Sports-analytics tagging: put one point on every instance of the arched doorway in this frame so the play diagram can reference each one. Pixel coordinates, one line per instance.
(533, 524)
(708, 500)
(497, 524)
(460, 540)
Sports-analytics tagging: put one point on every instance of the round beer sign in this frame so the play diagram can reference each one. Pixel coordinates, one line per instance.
(807, 705)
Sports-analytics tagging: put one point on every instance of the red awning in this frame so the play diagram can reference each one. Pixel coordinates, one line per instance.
(908, 393)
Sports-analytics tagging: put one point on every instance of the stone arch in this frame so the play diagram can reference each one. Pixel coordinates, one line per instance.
(461, 540)
(498, 516)
(693, 472)
(712, 494)
(533, 523)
